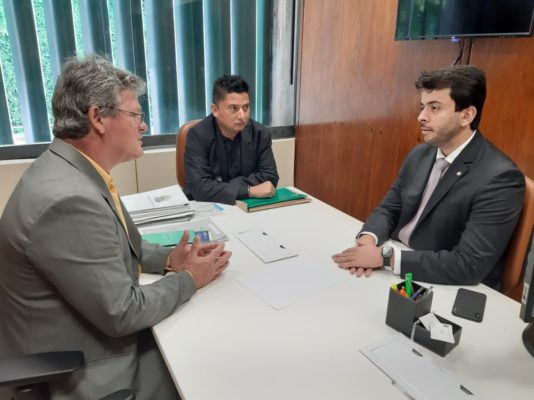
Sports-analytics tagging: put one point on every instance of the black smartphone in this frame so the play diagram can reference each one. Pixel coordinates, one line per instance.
(469, 305)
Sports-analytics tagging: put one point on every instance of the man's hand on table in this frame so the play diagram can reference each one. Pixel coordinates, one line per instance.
(360, 259)
(203, 262)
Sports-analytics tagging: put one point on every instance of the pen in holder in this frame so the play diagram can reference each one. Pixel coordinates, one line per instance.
(403, 311)
(403, 314)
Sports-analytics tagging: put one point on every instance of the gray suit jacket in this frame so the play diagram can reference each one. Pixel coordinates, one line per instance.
(466, 225)
(68, 275)
(206, 165)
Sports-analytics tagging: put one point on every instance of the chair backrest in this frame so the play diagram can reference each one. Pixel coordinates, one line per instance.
(514, 258)
(26, 376)
(181, 140)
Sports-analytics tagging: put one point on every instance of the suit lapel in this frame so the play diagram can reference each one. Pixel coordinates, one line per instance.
(246, 143)
(220, 153)
(458, 169)
(78, 161)
(417, 187)
(134, 237)
(131, 232)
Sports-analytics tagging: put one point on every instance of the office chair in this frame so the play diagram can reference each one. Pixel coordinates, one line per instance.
(514, 257)
(29, 374)
(181, 139)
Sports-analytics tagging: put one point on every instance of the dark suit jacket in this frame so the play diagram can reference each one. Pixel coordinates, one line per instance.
(206, 165)
(68, 275)
(464, 230)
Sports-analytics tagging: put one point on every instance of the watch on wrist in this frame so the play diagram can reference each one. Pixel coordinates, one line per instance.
(387, 255)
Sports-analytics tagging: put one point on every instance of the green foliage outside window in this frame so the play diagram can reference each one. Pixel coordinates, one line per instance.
(8, 72)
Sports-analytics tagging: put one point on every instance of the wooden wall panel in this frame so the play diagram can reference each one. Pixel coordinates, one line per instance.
(508, 116)
(357, 105)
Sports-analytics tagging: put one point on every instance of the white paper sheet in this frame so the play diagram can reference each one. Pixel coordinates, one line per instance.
(428, 320)
(267, 248)
(285, 282)
(438, 331)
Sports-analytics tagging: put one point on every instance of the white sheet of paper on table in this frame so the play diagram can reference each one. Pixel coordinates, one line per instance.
(285, 282)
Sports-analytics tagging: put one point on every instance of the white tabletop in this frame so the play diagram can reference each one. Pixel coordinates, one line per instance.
(226, 343)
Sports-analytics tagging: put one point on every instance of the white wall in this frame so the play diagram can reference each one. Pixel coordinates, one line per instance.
(156, 169)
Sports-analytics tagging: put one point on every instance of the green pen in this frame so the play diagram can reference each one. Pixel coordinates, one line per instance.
(408, 284)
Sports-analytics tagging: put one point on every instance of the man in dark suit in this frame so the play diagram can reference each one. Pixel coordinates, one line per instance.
(456, 200)
(70, 252)
(228, 156)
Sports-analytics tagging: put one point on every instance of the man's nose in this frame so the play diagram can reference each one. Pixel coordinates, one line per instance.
(143, 127)
(422, 116)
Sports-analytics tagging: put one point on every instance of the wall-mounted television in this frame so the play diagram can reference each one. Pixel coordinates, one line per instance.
(434, 19)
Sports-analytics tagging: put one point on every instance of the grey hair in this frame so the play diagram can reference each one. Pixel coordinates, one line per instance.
(86, 82)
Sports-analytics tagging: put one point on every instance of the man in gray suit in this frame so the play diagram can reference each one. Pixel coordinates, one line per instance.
(70, 253)
(456, 200)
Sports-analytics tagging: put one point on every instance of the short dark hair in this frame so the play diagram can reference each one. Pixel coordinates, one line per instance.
(467, 84)
(228, 84)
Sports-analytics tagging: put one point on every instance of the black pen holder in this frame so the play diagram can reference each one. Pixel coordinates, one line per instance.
(422, 336)
(402, 311)
(403, 314)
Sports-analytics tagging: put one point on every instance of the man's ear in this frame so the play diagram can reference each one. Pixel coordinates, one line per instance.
(468, 115)
(95, 120)
(214, 109)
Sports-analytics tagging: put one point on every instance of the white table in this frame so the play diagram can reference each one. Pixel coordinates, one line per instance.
(226, 343)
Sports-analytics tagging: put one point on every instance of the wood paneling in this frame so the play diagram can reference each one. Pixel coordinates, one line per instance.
(508, 116)
(357, 105)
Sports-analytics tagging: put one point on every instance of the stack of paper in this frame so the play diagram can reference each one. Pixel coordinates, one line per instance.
(167, 204)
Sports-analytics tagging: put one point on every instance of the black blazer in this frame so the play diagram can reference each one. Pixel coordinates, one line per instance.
(464, 229)
(205, 162)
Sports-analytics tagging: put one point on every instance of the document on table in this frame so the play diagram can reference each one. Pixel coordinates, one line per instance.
(267, 248)
(415, 371)
(161, 205)
(285, 282)
(159, 198)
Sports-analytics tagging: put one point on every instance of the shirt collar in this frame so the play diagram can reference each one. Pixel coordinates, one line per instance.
(451, 157)
(101, 171)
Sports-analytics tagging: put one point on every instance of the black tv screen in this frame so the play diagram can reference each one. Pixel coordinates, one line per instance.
(433, 19)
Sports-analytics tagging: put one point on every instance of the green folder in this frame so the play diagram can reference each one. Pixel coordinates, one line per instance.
(168, 238)
(282, 197)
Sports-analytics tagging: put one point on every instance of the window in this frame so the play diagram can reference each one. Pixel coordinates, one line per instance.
(178, 47)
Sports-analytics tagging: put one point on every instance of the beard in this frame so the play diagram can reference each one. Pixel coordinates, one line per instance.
(443, 135)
